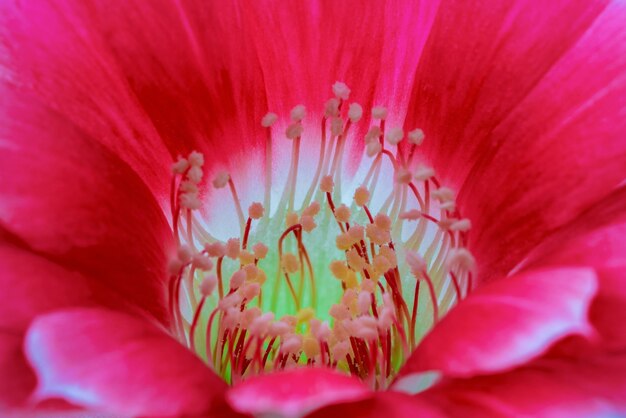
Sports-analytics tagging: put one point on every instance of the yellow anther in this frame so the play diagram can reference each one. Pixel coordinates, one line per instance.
(339, 269)
(311, 347)
(290, 263)
(342, 213)
(291, 219)
(351, 280)
(304, 315)
(361, 196)
(246, 257)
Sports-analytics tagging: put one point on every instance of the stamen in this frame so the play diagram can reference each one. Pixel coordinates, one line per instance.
(370, 313)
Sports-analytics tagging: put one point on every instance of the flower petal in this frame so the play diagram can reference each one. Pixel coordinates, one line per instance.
(387, 404)
(524, 106)
(507, 323)
(116, 363)
(594, 387)
(16, 378)
(294, 392)
(72, 201)
(596, 239)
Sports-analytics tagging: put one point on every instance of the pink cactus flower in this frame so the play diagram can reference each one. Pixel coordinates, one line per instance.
(318, 208)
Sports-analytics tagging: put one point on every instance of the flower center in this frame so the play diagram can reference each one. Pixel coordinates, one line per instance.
(349, 280)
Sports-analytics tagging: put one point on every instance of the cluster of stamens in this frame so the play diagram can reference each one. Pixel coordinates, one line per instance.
(346, 280)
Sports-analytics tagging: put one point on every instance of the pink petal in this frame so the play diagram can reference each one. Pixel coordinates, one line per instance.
(32, 285)
(116, 363)
(594, 387)
(507, 323)
(596, 239)
(294, 392)
(381, 404)
(72, 201)
(523, 102)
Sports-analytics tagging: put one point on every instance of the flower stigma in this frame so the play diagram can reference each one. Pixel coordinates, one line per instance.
(335, 280)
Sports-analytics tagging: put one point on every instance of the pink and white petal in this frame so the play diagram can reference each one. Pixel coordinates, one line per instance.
(295, 392)
(72, 201)
(32, 285)
(507, 323)
(594, 387)
(381, 404)
(113, 362)
(531, 95)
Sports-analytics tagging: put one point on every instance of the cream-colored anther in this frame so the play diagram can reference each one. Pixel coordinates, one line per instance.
(341, 90)
(196, 159)
(215, 249)
(256, 210)
(339, 269)
(221, 179)
(394, 136)
(190, 201)
(342, 213)
(355, 112)
(269, 119)
(339, 311)
(298, 113)
(403, 176)
(379, 112)
(336, 126)
(361, 196)
(312, 210)
(389, 254)
(260, 250)
(416, 136)
(327, 184)
(237, 279)
(289, 263)
(294, 130)
(340, 350)
(449, 206)
(184, 253)
(188, 187)
(462, 225)
(416, 263)
(377, 235)
(308, 223)
(180, 166)
(207, 286)
(195, 174)
(232, 248)
(202, 262)
(460, 259)
(356, 232)
(355, 261)
(331, 108)
(383, 221)
(423, 173)
(373, 148)
(344, 241)
(291, 344)
(373, 134)
(246, 257)
(443, 194)
(291, 219)
(250, 290)
(260, 326)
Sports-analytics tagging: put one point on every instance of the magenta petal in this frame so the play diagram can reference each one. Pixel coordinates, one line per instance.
(16, 378)
(524, 106)
(293, 393)
(116, 363)
(507, 323)
(593, 387)
(71, 200)
(381, 404)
